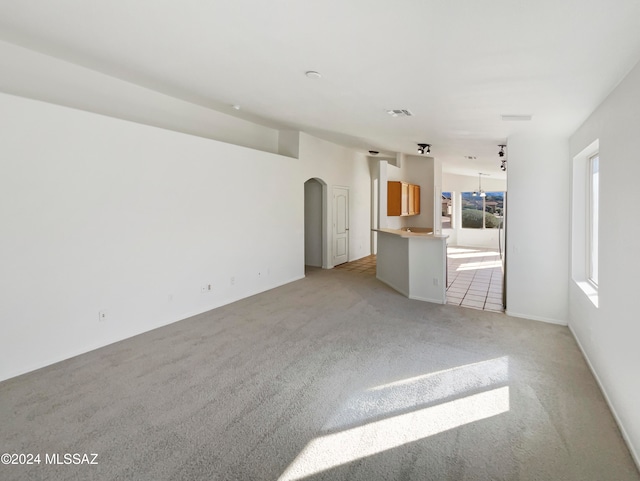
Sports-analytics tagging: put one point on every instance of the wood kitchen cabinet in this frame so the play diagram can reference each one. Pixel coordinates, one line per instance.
(403, 198)
(414, 199)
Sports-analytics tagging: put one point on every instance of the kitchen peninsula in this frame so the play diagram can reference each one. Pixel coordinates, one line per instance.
(413, 261)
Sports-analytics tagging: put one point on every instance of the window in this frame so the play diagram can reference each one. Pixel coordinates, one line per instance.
(594, 194)
(447, 210)
(471, 205)
(482, 212)
(585, 220)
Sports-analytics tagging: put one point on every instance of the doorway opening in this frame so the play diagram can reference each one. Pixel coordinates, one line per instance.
(315, 225)
(475, 278)
(476, 251)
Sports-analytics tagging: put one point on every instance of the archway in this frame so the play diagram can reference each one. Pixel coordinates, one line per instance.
(315, 223)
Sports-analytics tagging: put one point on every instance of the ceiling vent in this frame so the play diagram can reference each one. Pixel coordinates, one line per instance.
(516, 118)
(400, 113)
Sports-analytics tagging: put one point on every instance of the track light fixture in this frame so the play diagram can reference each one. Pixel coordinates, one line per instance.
(424, 148)
(501, 153)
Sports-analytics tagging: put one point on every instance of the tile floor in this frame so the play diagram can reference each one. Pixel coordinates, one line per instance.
(474, 278)
(366, 265)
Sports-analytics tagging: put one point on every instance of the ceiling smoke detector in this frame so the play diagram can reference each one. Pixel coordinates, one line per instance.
(400, 113)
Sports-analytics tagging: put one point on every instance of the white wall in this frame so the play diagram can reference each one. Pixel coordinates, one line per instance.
(340, 166)
(374, 172)
(38, 76)
(289, 143)
(104, 214)
(436, 197)
(484, 238)
(469, 183)
(393, 173)
(415, 169)
(609, 334)
(539, 179)
(393, 265)
(313, 223)
(487, 238)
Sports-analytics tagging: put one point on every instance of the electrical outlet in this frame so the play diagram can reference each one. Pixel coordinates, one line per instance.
(436, 281)
(233, 280)
(102, 315)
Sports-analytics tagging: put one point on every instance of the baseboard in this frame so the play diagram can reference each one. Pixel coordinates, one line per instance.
(395, 288)
(407, 295)
(536, 318)
(245, 295)
(427, 299)
(107, 342)
(224, 302)
(70, 355)
(358, 258)
(625, 436)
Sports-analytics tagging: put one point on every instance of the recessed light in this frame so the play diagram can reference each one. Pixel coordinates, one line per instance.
(236, 107)
(470, 157)
(509, 118)
(313, 74)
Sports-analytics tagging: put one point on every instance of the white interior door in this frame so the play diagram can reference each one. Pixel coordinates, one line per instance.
(340, 225)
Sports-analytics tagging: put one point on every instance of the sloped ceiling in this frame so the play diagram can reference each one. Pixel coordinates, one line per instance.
(457, 65)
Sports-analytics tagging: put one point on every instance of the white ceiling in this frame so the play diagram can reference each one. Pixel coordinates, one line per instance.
(457, 65)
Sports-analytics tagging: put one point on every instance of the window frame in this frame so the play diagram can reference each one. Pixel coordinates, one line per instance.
(483, 210)
(593, 219)
(452, 217)
(580, 214)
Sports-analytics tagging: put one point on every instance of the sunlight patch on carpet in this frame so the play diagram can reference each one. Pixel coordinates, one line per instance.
(418, 391)
(497, 369)
(336, 449)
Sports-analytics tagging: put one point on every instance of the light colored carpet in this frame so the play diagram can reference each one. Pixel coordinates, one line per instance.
(333, 377)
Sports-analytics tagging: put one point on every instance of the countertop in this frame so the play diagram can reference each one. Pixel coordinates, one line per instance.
(408, 234)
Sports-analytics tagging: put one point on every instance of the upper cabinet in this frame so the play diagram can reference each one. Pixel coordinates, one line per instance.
(403, 198)
(414, 199)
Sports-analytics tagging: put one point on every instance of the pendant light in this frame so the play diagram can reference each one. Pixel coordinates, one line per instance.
(480, 192)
